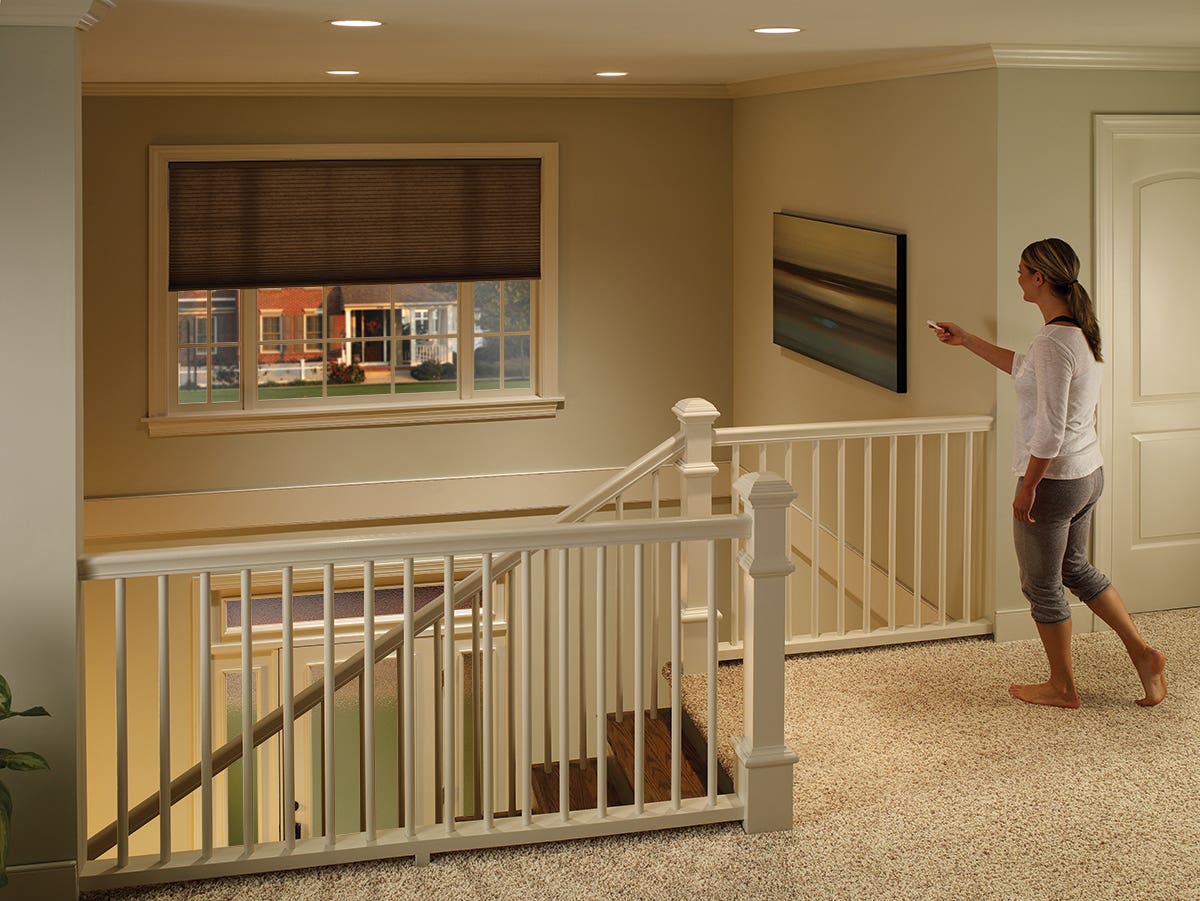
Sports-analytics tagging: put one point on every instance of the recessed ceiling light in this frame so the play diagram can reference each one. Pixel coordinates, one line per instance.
(612, 74)
(341, 72)
(356, 23)
(777, 29)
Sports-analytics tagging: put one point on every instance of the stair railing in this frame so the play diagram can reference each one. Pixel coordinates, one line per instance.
(287, 554)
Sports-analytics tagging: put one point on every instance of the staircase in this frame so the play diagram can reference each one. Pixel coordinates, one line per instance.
(621, 768)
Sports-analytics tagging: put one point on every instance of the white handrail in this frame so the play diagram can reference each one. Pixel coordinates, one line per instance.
(769, 434)
(355, 549)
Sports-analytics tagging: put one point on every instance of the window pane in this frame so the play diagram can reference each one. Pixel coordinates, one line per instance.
(487, 307)
(287, 370)
(192, 307)
(516, 306)
(193, 375)
(487, 363)
(226, 375)
(427, 364)
(224, 316)
(516, 361)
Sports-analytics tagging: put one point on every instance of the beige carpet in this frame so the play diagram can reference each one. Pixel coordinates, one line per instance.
(919, 777)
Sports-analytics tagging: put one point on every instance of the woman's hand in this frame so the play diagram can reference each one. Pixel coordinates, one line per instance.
(950, 333)
(1023, 502)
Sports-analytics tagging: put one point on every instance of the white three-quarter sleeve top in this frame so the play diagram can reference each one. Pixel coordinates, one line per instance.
(1058, 384)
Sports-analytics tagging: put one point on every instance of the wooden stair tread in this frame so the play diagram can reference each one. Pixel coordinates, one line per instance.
(581, 786)
(658, 756)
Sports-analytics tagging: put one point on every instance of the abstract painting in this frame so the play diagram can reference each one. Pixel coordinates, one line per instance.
(839, 297)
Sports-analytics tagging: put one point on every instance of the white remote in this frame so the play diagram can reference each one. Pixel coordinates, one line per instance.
(933, 325)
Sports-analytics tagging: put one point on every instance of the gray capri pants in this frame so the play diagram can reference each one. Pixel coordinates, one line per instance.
(1052, 550)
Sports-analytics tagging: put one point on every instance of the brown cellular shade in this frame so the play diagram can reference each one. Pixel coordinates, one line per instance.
(281, 223)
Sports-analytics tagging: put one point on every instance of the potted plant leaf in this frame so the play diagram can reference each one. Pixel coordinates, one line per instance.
(20, 761)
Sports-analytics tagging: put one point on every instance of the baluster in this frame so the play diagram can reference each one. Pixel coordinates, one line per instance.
(206, 718)
(639, 717)
(489, 714)
(330, 807)
(943, 522)
(439, 782)
(450, 782)
(526, 688)
(164, 721)
(892, 448)
(564, 698)
(676, 667)
(123, 724)
(408, 703)
(918, 511)
(287, 690)
(367, 708)
(547, 725)
(788, 624)
(815, 612)
(762, 457)
(841, 513)
(583, 702)
(601, 684)
(618, 657)
(511, 691)
(655, 602)
(248, 767)
(968, 485)
(712, 673)
(735, 583)
(868, 459)
(476, 709)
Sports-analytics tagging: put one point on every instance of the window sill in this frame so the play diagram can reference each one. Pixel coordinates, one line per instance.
(244, 421)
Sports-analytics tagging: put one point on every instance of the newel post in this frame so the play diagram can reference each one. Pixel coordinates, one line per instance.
(764, 761)
(696, 470)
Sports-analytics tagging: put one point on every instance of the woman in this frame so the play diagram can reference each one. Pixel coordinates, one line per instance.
(1057, 458)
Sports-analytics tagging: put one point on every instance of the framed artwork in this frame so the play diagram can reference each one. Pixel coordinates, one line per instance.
(839, 297)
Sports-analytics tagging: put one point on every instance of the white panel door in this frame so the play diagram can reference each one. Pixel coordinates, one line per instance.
(1148, 298)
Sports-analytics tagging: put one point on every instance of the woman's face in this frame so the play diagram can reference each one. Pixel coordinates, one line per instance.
(1030, 281)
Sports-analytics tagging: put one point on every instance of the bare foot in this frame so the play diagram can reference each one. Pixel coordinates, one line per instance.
(1044, 694)
(1150, 666)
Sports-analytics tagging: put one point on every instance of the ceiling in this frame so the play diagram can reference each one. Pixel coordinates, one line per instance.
(667, 42)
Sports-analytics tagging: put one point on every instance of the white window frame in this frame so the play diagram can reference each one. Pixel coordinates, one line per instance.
(166, 417)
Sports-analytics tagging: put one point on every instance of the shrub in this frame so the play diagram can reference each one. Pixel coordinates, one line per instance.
(432, 370)
(344, 374)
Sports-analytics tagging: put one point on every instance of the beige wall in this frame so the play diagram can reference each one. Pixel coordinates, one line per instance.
(1045, 184)
(643, 306)
(39, 448)
(916, 155)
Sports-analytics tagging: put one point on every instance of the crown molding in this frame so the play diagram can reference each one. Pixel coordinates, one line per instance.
(368, 89)
(962, 59)
(81, 14)
(1155, 59)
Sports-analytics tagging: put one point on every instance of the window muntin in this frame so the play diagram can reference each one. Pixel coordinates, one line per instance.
(325, 345)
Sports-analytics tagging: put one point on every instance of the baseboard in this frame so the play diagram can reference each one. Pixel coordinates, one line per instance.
(55, 881)
(1018, 625)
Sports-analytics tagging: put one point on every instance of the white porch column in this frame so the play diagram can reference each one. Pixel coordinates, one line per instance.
(40, 442)
(764, 761)
(696, 470)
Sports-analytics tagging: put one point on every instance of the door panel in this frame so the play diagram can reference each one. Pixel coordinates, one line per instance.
(1148, 298)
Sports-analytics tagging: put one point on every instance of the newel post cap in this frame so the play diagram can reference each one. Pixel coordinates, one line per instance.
(764, 490)
(695, 409)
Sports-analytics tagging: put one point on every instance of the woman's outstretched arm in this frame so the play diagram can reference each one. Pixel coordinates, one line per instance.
(1000, 357)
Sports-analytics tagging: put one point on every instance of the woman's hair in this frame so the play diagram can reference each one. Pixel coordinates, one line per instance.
(1059, 265)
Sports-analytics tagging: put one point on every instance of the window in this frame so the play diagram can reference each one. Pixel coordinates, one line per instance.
(246, 340)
